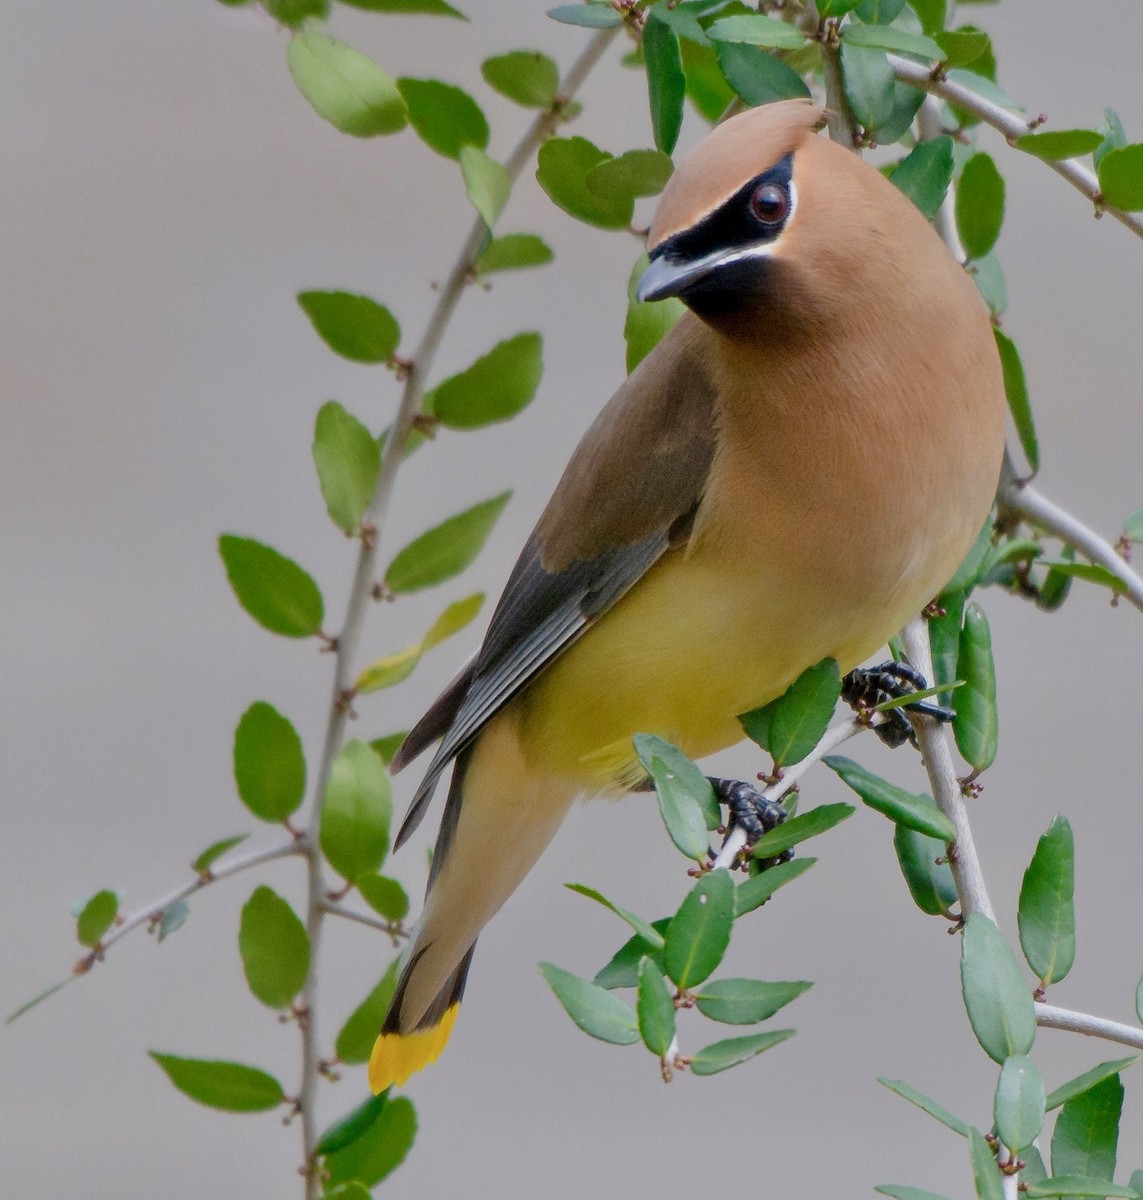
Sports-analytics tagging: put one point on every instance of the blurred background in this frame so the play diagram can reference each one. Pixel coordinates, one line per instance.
(165, 193)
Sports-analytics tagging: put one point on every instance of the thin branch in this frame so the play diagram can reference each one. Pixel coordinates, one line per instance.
(1050, 1017)
(840, 121)
(1079, 176)
(389, 928)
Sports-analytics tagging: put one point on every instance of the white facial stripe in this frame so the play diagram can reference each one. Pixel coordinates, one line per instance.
(760, 250)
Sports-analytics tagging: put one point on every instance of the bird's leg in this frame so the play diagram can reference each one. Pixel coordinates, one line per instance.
(866, 687)
(749, 810)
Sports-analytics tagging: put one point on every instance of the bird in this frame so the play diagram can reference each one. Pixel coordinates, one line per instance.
(791, 474)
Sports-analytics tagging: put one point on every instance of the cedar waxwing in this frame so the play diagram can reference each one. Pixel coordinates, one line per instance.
(792, 474)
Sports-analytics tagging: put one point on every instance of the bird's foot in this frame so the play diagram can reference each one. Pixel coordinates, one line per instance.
(866, 687)
(750, 811)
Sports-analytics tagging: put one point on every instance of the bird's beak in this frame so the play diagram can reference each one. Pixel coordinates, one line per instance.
(665, 278)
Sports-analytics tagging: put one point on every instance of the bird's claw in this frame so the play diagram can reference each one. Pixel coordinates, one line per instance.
(749, 810)
(866, 687)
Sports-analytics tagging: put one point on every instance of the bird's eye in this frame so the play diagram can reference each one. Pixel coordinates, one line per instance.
(770, 204)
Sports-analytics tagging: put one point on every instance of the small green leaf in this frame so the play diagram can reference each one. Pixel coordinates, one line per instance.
(428, 8)
(998, 1001)
(1133, 527)
(355, 1124)
(979, 205)
(745, 1001)
(1059, 143)
(907, 1092)
(643, 929)
(345, 87)
(700, 931)
(837, 8)
(754, 29)
(988, 275)
(512, 252)
(623, 968)
(685, 803)
(795, 722)
(707, 89)
(944, 637)
(172, 918)
(1091, 572)
(1078, 1186)
(1121, 177)
(96, 917)
(486, 182)
(1113, 134)
(445, 117)
(756, 76)
(905, 808)
(387, 746)
(446, 549)
(906, 1193)
(1018, 1107)
(274, 947)
(563, 165)
(355, 1041)
(932, 14)
(495, 388)
(269, 763)
(526, 77)
(666, 83)
(348, 461)
(380, 1149)
(1033, 1170)
(647, 322)
(656, 1009)
(356, 327)
(755, 891)
(930, 882)
(1082, 1083)
(985, 1173)
(721, 1056)
(230, 1086)
(975, 726)
(355, 816)
(683, 17)
(589, 16)
(1016, 390)
(891, 37)
(385, 896)
(38, 999)
(392, 669)
(880, 12)
(1046, 914)
(924, 174)
(215, 851)
(968, 573)
(1086, 1136)
(798, 829)
(963, 47)
(596, 1011)
(292, 13)
(273, 589)
(633, 174)
(870, 84)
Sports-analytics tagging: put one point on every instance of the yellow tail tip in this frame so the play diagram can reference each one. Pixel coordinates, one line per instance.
(396, 1056)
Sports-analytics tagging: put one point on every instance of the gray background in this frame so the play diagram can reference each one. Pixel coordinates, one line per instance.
(165, 191)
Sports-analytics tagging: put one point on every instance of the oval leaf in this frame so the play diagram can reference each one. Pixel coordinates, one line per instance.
(798, 829)
(348, 461)
(486, 182)
(998, 1001)
(274, 947)
(355, 1040)
(623, 969)
(273, 589)
(512, 252)
(891, 37)
(446, 549)
(1086, 1136)
(445, 117)
(428, 8)
(924, 174)
(230, 1086)
(353, 1125)
(656, 1009)
(723, 1055)
(524, 76)
(96, 917)
(745, 1001)
(589, 16)
(979, 205)
(356, 327)
(1060, 143)
(975, 725)
(930, 882)
(647, 322)
(685, 803)
(1018, 1107)
(385, 896)
(1046, 914)
(985, 1173)
(914, 812)
(756, 76)
(1016, 391)
(495, 388)
(754, 29)
(926, 1104)
(215, 851)
(344, 86)
(795, 722)
(666, 83)
(562, 168)
(269, 763)
(380, 1149)
(1088, 1079)
(699, 933)
(1082, 1186)
(756, 890)
(596, 1011)
(356, 812)
(1121, 177)
(870, 84)
(633, 174)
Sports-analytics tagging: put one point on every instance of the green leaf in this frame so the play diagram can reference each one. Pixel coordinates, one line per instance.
(998, 1001)
(1078, 1186)
(623, 968)
(837, 8)
(754, 29)
(906, 104)
(699, 933)
(355, 1124)
(666, 83)
(907, 1092)
(526, 77)
(644, 929)
(685, 803)
(1091, 572)
(1113, 136)
(563, 165)
(880, 12)
(647, 322)
(486, 182)
(348, 461)
(355, 1041)
(215, 851)
(391, 669)
(380, 1149)
(891, 37)
(1136, 1182)
(589, 16)
(495, 388)
(656, 1009)
(869, 84)
(1081, 1083)
(906, 1193)
(798, 829)
(1057, 584)
(1060, 143)
(797, 719)
(745, 1001)
(1133, 527)
(756, 76)
(975, 726)
(924, 174)
(633, 174)
(968, 573)
(292, 13)
(512, 252)
(1046, 914)
(1033, 1170)
(355, 816)
(172, 918)
(356, 327)
(1121, 177)
(707, 89)
(1018, 1106)
(230, 1086)
(932, 15)
(905, 808)
(1086, 1136)
(944, 637)
(721, 1056)
(446, 549)
(596, 1011)
(269, 763)
(985, 1173)
(273, 589)
(344, 86)
(387, 746)
(962, 47)
(930, 883)
(755, 891)
(428, 8)
(385, 896)
(1016, 390)
(39, 999)
(274, 947)
(445, 117)
(683, 17)
(988, 275)
(96, 917)
(979, 205)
